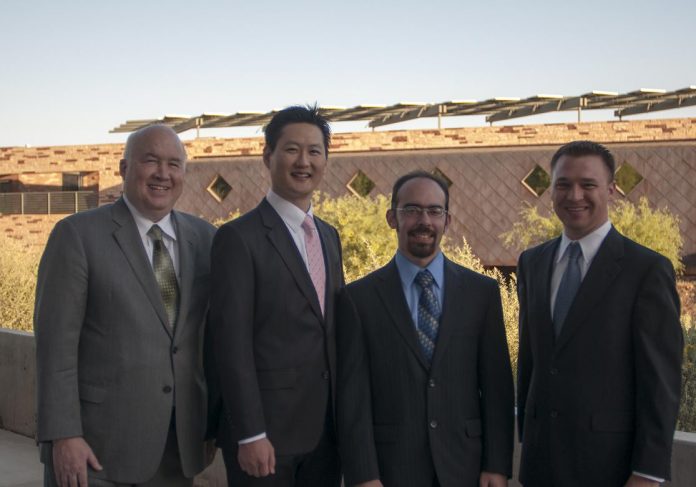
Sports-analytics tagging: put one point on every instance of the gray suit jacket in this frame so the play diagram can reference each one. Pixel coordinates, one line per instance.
(109, 367)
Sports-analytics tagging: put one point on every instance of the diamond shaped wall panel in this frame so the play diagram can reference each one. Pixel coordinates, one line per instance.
(486, 193)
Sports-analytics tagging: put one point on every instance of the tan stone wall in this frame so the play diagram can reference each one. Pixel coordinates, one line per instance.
(486, 165)
(31, 230)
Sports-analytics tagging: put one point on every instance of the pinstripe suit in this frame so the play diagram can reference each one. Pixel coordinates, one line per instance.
(409, 423)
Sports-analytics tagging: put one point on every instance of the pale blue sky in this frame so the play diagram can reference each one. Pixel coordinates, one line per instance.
(72, 70)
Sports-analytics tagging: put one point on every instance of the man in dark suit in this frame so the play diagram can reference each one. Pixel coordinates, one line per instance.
(425, 393)
(600, 342)
(275, 272)
(121, 305)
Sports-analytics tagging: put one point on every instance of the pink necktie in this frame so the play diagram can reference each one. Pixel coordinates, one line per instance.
(315, 259)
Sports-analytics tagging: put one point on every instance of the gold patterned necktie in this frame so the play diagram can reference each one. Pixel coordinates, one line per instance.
(164, 273)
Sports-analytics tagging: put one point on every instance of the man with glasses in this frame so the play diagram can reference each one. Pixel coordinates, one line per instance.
(425, 394)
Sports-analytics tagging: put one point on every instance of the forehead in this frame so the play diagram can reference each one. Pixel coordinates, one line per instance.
(421, 191)
(301, 132)
(588, 166)
(161, 142)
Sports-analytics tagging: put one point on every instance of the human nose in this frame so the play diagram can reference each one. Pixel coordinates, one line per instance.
(162, 171)
(575, 192)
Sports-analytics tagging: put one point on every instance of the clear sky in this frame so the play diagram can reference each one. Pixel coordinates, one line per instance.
(71, 70)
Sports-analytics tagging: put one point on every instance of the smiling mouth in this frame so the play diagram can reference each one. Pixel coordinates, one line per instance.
(421, 236)
(575, 209)
(301, 175)
(157, 187)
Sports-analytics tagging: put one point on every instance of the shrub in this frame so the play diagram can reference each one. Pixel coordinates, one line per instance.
(369, 243)
(18, 267)
(657, 229)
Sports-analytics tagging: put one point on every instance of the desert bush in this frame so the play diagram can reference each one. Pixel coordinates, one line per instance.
(18, 267)
(368, 243)
(657, 229)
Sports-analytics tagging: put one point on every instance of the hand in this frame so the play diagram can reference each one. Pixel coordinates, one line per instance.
(489, 479)
(210, 451)
(370, 483)
(638, 481)
(70, 459)
(257, 458)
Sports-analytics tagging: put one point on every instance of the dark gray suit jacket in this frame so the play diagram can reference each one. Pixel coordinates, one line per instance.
(600, 401)
(109, 368)
(275, 352)
(404, 422)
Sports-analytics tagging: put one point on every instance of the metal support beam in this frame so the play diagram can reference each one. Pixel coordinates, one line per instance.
(678, 102)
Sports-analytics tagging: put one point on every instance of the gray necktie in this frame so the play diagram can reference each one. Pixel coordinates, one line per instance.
(428, 314)
(570, 282)
(164, 273)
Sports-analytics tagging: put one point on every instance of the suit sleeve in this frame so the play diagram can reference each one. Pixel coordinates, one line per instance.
(232, 319)
(524, 358)
(353, 397)
(59, 310)
(658, 343)
(497, 391)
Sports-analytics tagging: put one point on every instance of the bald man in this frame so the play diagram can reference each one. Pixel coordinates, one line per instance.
(121, 305)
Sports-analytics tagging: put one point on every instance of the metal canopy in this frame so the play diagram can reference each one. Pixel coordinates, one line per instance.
(501, 108)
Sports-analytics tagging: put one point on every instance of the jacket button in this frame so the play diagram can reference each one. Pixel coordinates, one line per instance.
(554, 371)
(167, 389)
(433, 423)
(175, 349)
(554, 414)
(431, 383)
(325, 375)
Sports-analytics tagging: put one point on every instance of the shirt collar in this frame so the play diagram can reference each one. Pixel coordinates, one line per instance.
(589, 244)
(289, 213)
(144, 224)
(408, 270)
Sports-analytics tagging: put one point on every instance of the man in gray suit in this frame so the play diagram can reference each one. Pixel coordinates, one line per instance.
(121, 305)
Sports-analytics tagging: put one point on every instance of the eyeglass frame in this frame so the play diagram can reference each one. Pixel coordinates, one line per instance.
(416, 211)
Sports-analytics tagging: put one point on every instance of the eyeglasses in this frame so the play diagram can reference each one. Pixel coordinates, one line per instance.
(415, 211)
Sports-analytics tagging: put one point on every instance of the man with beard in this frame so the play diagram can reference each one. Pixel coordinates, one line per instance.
(425, 394)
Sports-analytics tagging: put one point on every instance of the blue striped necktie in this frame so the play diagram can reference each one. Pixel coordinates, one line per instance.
(428, 314)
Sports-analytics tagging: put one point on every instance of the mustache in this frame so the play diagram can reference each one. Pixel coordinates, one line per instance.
(421, 229)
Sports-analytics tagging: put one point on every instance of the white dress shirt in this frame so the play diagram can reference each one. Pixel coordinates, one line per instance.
(168, 235)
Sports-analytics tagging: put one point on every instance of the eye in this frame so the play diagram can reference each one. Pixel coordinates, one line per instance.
(436, 211)
(291, 150)
(412, 210)
(315, 152)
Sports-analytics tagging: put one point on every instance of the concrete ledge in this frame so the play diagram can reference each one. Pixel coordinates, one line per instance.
(18, 379)
(17, 414)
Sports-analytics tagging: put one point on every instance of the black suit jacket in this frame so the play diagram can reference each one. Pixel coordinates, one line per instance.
(600, 401)
(405, 422)
(275, 353)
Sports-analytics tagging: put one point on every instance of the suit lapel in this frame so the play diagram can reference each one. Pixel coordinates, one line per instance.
(128, 239)
(457, 302)
(187, 250)
(600, 275)
(541, 270)
(392, 295)
(280, 238)
(330, 252)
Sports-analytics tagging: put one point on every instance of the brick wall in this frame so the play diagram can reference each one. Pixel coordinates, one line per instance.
(486, 165)
(31, 230)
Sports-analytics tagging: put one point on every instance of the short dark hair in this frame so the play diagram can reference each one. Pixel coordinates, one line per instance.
(297, 114)
(415, 175)
(579, 148)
